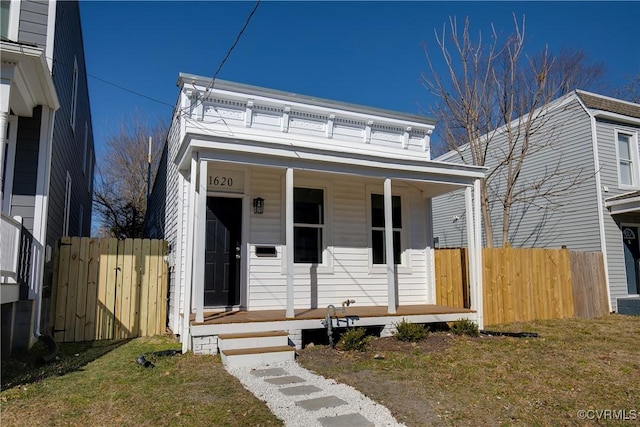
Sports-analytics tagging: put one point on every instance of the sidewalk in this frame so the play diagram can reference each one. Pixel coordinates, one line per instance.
(301, 398)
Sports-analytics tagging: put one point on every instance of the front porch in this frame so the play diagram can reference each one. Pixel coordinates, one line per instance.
(204, 334)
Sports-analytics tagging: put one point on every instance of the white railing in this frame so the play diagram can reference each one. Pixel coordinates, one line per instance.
(10, 233)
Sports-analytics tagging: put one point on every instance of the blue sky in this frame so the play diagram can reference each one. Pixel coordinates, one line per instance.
(368, 53)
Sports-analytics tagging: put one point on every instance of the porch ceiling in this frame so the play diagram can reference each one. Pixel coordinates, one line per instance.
(31, 83)
(624, 203)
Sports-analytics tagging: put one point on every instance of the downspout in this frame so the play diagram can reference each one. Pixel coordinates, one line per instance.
(42, 212)
(596, 163)
(190, 262)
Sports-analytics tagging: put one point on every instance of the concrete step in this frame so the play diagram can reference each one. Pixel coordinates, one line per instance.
(252, 340)
(257, 356)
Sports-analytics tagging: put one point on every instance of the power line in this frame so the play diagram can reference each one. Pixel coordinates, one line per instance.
(233, 46)
(58, 62)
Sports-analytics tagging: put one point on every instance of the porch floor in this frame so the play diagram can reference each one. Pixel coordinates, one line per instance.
(227, 317)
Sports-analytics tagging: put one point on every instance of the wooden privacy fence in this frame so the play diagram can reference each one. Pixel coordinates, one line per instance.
(526, 284)
(109, 288)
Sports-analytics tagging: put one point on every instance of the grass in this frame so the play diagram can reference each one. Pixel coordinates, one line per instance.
(573, 365)
(444, 380)
(101, 384)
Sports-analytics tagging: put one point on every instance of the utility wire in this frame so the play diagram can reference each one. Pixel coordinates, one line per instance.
(209, 86)
(224, 60)
(233, 46)
(58, 62)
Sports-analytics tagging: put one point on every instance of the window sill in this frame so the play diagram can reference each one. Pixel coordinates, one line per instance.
(628, 187)
(382, 269)
(309, 268)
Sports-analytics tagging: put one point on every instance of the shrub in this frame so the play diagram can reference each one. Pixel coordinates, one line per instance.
(411, 332)
(354, 339)
(465, 327)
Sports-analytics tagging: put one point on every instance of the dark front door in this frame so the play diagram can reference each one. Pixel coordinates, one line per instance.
(223, 250)
(631, 258)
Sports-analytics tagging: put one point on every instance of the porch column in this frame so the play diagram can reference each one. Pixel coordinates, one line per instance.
(199, 236)
(388, 240)
(5, 94)
(289, 239)
(189, 263)
(477, 224)
(471, 246)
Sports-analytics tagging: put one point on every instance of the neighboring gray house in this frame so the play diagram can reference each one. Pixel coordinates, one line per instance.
(47, 157)
(596, 138)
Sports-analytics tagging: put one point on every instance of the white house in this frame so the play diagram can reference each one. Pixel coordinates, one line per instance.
(277, 205)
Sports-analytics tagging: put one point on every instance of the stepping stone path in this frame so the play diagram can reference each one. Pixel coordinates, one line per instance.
(301, 398)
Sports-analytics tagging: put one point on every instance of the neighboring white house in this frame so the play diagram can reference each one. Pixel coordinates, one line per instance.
(282, 203)
(595, 137)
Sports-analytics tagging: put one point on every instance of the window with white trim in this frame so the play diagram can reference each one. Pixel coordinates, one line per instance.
(67, 206)
(378, 240)
(5, 9)
(308, 225)
(626, 146)
(84, 151)
(74, 93)
(90, 170)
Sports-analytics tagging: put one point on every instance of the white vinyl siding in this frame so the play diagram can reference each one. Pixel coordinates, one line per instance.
(350, 275)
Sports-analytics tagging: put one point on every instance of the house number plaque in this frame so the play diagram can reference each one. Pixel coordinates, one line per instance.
(225, 181)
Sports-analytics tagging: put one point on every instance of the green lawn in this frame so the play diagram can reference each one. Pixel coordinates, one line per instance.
(574, 365)
(114, 390)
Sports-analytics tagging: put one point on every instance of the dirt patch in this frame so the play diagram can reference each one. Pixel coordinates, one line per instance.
(373, 372)
(572, 367)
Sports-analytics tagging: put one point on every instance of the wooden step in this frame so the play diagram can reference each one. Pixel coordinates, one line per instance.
(257, 350)
(257, 356)
(253, 335)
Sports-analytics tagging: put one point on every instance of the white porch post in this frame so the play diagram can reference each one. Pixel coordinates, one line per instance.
(471, 248)
(477, 224)
(289, 239)
(5, 94)
(200, 237)
(388, 236)
(188, 274)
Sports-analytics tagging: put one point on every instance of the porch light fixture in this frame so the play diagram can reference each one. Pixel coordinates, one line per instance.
(258, 205)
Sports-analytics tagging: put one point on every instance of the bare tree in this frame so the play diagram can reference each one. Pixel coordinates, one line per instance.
(629, 91)
(492, 111)
(120, 195)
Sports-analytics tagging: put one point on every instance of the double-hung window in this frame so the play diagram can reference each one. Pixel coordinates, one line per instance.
(378, 240)
(627, 167)
(308, 225)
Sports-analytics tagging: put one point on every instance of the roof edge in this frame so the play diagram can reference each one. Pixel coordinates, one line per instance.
(294, 97)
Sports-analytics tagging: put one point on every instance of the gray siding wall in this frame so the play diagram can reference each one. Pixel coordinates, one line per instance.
(26, 168)
(68, 152)
(571, 219)
(172, 191)
(605, 131)
(33, 22)
(156, 205)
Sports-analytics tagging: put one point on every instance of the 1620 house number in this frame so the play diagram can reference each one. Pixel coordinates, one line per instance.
(221, 181)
